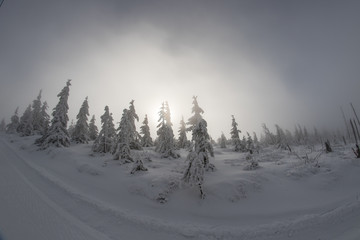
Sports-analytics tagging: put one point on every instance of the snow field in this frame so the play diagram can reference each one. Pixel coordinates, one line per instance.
(283, 198)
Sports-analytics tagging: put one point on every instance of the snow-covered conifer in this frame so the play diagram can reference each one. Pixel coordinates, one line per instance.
(57, 135)
(81, 130)
(194, 173)
(25, 127)
(196, 118)
(198, 158)
(243, 144)
(249, 143)
(165, 144)
(125, 131)
(235, 138)
(202, 145)
(93, 130)
(14, 124)
(146, 140)
(222, 141)
(105, 141)
(200, 136)
(133, 134)
(36, 115)
(45, 119)
(2, 126)
(182, 141)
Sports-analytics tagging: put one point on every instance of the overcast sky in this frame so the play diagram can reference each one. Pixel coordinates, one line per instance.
(275, 62)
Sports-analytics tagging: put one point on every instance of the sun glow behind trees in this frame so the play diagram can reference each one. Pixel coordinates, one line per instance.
(143, 64)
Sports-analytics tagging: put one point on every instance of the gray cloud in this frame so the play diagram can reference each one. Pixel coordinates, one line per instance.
(280, 62)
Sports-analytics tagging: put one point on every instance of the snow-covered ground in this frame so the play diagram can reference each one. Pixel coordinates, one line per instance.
(69, 193)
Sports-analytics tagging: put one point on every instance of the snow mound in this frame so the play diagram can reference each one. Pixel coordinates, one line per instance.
(87, 168)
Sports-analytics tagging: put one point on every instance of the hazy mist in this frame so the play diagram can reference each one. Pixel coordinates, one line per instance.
(274, 62)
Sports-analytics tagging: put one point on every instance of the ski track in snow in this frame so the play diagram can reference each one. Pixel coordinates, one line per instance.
(27, 213)
(43, 207)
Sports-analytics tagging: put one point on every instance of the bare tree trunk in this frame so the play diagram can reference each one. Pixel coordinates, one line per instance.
(357, 130)
(202, 194)
(355, 113)
(346, 125)
(353, 128)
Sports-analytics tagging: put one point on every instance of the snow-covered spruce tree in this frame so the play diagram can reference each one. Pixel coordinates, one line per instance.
(200, 137)
(134, 135)
(222, 141)
(57, 135)
(81, 130)
(2, 126)
(243, 144)
(194, 173)
(26, 123)
(125, 131)
(196, 118)
(36, 115)
(14, 123)
(146, 140)
(165, 141)
(105, 142)
(182, 141)
(235, 138)
(249, 143)
(44, 119)
(93, 130)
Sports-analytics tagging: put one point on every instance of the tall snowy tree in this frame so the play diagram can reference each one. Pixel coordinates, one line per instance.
(36, 115)
(146, 140)
(14, 124)
(182, 141)
(133, 134)
(125, 133)
(165, 144)
(81, 130)
(200, 136)
(2, 126)
(235, 138)
(195, 119)
(57, 135)
(44, 119)
(93, 130)
(26, 123)
(198, 158)
(105, 141)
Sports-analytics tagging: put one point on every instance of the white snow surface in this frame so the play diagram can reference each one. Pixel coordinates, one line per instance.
(72, 193)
